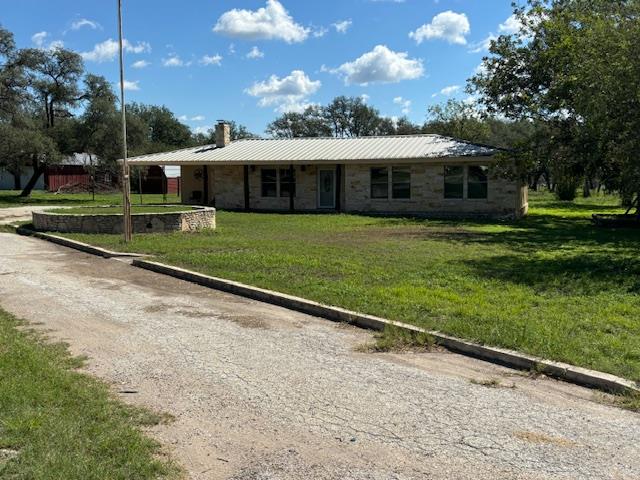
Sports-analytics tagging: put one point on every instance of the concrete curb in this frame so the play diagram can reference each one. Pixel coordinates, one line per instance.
(83, 247)
(509, 358)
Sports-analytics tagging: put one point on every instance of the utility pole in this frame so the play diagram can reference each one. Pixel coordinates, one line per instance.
(126, 182)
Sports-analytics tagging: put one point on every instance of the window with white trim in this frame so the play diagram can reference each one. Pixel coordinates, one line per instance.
(277, 182)
(390, 182)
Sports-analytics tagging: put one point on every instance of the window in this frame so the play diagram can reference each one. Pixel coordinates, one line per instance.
(477, 178)
(401, 182)
(269, 182)
(287, 182)
(453, 182)
(379, 182)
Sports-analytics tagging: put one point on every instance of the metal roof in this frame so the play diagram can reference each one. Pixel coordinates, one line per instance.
(321, 150)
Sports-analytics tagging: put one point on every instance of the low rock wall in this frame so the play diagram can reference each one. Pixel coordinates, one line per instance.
(192, 219)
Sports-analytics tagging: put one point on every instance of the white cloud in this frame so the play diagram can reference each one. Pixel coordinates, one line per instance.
(289, 93)
(404, 103)
(342, 26)
(130, 85)
(198, 118)
(183, 118)
(211, 60)
(450, 90)
(510, 26)
(450, 26)
(365, 98)
(254, 53)
(108, 50)
(204, 129)
(140, 64)
(320, 32)
(39, 38)
(380, 65)
(271, 22)
(84, 22)
(483, 45)
(172, 61)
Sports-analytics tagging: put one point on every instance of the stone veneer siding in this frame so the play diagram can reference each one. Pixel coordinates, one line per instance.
(226, 189)
(197, 219)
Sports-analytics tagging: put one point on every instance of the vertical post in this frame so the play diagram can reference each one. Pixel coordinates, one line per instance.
(205, 179)
(126, 182)
(292, 186)
(338, 187)
(247, 205)
(140, 184)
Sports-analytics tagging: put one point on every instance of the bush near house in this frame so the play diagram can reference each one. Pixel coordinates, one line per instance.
(551, 284)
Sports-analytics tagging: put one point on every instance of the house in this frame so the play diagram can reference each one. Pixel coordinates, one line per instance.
(413, 174)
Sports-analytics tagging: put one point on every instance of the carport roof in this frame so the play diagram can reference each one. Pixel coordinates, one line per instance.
(321, 150)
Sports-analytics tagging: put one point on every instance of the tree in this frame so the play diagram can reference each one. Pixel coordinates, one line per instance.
(310, 123)
(351, 117)
(164, 130)
(573, 66)
(459, 120)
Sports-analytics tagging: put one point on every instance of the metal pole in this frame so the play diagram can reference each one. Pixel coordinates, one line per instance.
(126, 182)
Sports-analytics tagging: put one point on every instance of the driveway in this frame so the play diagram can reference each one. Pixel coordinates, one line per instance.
(260, 392)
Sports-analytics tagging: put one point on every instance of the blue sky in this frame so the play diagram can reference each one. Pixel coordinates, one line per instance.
(249, 60)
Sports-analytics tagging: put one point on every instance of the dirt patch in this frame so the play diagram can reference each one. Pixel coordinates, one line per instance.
(247, 321)
(541, 438)
(156, 308)
(7, 454)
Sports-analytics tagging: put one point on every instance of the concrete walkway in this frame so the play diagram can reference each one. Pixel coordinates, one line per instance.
(259, 392)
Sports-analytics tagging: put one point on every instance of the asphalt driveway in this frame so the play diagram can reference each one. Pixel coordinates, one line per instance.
(260, 392)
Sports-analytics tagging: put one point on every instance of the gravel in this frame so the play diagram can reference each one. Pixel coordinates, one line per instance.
(260, 392)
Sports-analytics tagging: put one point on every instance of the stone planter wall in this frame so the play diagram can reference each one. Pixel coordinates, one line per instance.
(193, 219)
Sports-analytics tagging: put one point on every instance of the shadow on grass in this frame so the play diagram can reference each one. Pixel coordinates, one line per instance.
(572, 274)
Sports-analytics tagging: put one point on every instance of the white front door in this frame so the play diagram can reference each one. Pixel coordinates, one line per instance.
(326, 188)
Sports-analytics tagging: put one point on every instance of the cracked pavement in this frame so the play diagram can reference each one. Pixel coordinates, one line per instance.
(261, 392)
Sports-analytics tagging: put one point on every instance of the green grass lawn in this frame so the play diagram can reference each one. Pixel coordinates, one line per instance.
(550, 284)
(118, 210)
(56, 423)
(10, 198)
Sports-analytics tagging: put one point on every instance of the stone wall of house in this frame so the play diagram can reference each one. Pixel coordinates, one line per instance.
(226, 190)
(190, 182)
(193, 220)
(427, 195)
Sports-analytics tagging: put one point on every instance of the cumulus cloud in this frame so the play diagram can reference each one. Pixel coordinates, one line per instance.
(198, 118)
(108, 50)
(380, 65)
(140, 64)
(85, 22)
(483, 45)
(271, 22)
(131, 85)
(404, 103)
(255, 53)
(173, 60)
(510, 26)
(365, 98)
(39, 38)
(289, 93)
(450, 90)
(211, 60)
(449, 26)
(342, 26)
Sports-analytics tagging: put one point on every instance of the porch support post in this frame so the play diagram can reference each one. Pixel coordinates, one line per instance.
(247, 200)
(291, 189)
(338, 187)
(205, 180)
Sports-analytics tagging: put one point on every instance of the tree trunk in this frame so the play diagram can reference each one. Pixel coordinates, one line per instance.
(586, 188)
(17, 181)
(38, 170)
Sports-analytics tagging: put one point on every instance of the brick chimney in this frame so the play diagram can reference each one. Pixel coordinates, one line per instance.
(223, 134)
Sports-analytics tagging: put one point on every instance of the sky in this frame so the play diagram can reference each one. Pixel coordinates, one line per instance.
(251, 60)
